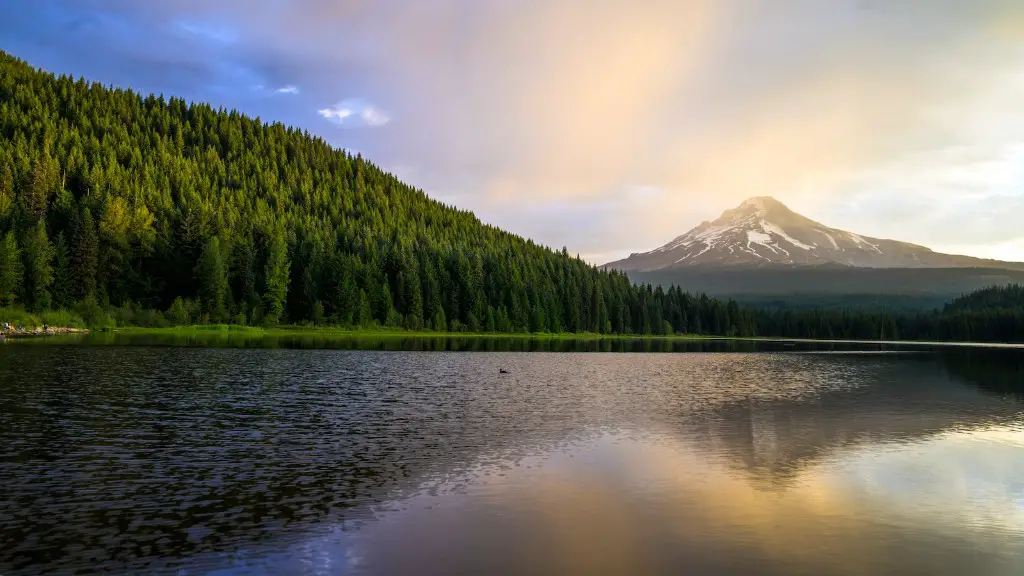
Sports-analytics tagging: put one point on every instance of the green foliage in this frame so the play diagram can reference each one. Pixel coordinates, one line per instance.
(61, 317)
(10, 269)
(63, 281)
(85, 252)
(132, 314)
(38, 261)
(276, 274)
(6, 194)
(212, 274)
(18, 316)
(94, 315)
(178, 313)
(224, 328)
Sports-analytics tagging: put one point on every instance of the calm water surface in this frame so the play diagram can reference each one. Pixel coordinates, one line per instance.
(240, 460)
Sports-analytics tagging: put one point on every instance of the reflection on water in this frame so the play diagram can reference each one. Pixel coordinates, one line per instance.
(641, 503)
(253, 461)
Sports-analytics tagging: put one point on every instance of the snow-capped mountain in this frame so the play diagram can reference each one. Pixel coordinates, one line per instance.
(762, 231)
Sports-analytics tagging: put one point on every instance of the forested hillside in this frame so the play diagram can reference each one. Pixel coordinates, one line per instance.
(996, 298)
(108, 199)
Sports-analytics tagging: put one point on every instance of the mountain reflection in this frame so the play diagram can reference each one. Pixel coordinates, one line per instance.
(915, 397)
(641, 503)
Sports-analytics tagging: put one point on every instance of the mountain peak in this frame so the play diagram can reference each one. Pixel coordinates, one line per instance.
(762, 231)
(760, 205)
(760, 202)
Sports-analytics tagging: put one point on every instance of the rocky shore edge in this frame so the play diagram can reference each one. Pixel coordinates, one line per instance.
(39, 331)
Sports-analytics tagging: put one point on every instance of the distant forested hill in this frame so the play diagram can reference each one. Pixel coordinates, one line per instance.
(996, 298)
(796, 282)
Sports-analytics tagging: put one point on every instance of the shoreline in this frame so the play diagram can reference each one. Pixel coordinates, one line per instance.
(38, 332)
(246, 332)
(298, 331)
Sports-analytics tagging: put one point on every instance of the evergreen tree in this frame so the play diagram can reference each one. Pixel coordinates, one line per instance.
(243, 274)
(178, 312)
(6, 195)
(212, 275)
(84, 255)
(37, 196)
(63, 281)
(365, 314)
(276, 274)
(10, 269)
(38, 258)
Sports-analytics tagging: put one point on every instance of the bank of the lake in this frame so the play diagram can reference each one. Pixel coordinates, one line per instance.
(40, 332)
(370, 333)
(280, 331)
(315, 338)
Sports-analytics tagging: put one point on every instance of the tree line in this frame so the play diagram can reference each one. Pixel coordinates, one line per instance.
(183, 213)
(973, 317)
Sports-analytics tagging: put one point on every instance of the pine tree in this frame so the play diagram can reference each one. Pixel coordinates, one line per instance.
(243, 275)
(345, 299)
(84, 255)
(63, 283)
(212, 275)
(40, 188)
(38, 257)
(10, 269)
(365, 313)
(178, 312)
(276, 280)
(440, 320)
(6, 194)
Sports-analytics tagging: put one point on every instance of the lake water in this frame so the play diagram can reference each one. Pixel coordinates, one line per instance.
(247, 460)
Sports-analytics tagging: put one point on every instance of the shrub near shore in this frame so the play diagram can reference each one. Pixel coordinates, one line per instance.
(17, 316)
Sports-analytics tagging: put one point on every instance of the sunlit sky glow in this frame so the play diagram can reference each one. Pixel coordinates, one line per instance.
(609, 127)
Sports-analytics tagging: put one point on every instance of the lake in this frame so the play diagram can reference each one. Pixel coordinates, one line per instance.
(184, 457)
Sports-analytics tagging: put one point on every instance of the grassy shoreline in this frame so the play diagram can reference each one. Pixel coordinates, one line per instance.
(396, 333)
(298, 331)
(294, 331)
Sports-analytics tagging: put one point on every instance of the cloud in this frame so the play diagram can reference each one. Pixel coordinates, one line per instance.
(289, 89)
(354, 112)
(209, 30)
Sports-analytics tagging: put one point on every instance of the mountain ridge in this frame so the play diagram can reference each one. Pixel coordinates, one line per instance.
(761, 231)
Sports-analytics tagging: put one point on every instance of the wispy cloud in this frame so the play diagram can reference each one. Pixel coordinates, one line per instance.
(354, 112)
(219, 33)
(289, 89)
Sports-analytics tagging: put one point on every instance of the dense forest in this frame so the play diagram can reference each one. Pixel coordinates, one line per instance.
(152, 211)
(109, 199)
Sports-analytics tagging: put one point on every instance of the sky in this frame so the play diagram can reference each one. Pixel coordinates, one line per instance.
(608, 127)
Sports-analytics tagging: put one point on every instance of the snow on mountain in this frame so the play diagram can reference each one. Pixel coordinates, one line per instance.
(762, 231)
